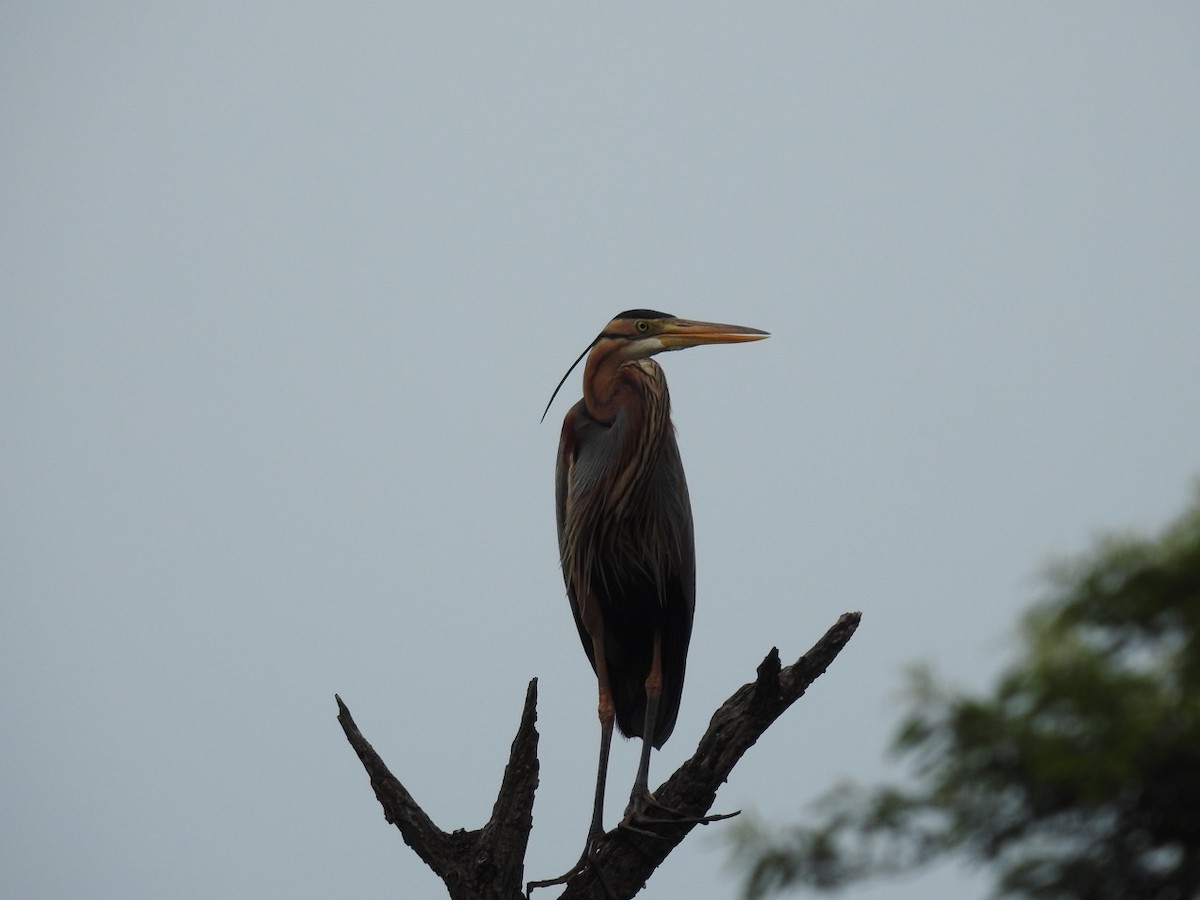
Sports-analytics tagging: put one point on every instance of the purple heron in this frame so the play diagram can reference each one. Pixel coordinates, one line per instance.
(625, 536)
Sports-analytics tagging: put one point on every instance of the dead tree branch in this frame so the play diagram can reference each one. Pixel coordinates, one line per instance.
(484, 864)
(489, 862)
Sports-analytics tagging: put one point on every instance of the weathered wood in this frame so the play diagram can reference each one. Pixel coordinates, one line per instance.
(488, 863)
(484, 864)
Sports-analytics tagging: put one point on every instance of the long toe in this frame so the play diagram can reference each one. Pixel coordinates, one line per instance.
(590, 859)
(644, 809)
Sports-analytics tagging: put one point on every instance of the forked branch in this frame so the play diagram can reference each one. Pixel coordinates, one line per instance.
(489, 862)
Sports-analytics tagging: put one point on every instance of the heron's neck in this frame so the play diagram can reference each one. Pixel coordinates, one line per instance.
(636, 387)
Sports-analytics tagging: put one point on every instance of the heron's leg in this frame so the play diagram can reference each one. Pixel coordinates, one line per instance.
(641, 801)
(654, 683)
(607, 714)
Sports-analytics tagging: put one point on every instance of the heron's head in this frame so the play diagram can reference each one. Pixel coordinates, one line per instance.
(641, 333)
(645, 332)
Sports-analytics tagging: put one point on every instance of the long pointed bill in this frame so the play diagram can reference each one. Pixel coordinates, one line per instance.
(678, 334)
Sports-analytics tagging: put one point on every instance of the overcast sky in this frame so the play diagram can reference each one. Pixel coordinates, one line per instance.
(286, 286)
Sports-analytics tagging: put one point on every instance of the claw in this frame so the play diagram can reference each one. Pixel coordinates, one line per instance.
(641, 804)
(590, 859)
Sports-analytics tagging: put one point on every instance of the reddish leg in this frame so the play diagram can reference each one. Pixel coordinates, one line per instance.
(641, 801)
(607, 714)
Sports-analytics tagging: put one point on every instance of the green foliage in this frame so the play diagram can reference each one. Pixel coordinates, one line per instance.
(1077, 777)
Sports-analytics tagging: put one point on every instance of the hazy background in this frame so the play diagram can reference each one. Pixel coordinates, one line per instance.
(286, 287)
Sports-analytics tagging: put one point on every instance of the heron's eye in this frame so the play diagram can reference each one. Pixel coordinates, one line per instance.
(642, 325)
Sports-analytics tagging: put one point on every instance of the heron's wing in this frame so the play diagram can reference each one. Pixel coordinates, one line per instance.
(562, 474)
(569, 478)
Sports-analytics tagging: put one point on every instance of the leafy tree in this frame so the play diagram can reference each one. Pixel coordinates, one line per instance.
(1077, 776)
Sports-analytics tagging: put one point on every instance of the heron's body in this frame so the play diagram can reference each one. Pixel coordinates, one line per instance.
(625, 537)
(625, 540)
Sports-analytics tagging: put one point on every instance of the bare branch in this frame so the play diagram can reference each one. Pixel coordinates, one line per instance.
(488, 863)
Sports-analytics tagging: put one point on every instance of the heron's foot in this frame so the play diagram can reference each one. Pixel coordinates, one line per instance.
(590, 859)
(644, 809)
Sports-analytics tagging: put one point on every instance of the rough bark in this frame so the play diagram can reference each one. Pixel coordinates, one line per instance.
(488, 863)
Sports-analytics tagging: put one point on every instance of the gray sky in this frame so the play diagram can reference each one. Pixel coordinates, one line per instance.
(285, 289)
